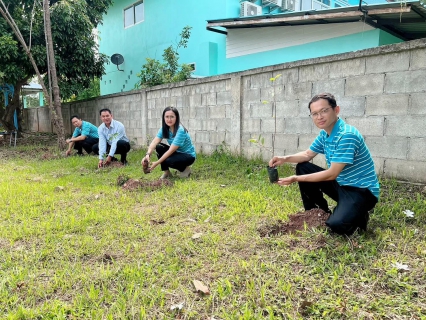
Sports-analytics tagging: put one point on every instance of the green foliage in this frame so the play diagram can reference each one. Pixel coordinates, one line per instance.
(93, 91)
(155, 72)
(74, 42)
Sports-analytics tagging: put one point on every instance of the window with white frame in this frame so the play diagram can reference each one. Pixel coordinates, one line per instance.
(134, 14)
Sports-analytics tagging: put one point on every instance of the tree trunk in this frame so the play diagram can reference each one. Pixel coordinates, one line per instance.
(57, 120)
(14, 104)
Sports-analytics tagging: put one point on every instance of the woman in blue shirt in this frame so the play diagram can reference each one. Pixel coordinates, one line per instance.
(179, 154)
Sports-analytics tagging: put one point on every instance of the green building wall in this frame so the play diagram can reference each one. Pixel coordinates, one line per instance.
(165, 19)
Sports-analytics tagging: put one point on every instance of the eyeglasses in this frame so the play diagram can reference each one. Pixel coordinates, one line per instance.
(322, 112)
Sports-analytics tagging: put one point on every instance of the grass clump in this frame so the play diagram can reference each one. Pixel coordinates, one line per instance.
(92, 250)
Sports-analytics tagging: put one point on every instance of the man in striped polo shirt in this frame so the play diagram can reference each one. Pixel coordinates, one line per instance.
(350, 179)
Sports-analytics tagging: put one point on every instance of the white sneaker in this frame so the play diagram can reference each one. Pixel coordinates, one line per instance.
(185, 173)
(165, 175)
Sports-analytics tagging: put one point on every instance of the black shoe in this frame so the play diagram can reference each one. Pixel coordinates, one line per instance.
(363, 224)
(125, 163)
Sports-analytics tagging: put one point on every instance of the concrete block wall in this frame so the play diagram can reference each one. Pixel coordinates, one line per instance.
(381, 91)
(204, 108)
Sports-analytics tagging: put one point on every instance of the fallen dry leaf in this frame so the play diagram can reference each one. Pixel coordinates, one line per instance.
(196, 235)
(306, 304)
(178, 306)
(200, 287)
(153, 221)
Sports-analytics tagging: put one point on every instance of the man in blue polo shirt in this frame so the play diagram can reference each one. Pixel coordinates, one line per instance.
(85, 136)
(350, 179)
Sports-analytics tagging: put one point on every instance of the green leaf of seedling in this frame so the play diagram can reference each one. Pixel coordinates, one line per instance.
(275, 78)
(253, 140)
(265, 101)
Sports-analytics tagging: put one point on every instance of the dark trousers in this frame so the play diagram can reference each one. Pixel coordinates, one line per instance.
(85, 144)
(177, 160)
(122, 148)
(353, 203)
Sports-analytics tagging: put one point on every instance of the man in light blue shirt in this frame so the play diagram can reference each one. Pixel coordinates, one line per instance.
(85, 136)
(112, 140)
(350, 179)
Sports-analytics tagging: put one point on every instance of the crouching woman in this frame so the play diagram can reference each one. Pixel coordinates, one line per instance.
(179, 154)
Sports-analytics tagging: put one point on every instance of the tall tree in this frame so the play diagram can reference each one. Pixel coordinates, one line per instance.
(72, 23)
(56, 111)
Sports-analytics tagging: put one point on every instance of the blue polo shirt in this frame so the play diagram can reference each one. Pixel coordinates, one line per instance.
(87, 129)
(346, 145)
(182, 139)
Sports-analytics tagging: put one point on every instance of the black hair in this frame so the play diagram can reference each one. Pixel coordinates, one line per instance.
(326, 96)
(75, 116)
(165, 127)
(103, 110)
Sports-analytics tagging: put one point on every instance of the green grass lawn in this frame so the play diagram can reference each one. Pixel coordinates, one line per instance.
(75, 245)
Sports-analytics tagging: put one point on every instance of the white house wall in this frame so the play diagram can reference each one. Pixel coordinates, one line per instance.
(240, 42)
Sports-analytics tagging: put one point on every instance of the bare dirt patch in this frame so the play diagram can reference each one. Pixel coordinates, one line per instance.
(115, 164)
(313, 218)
(30, 139)
(135, 184)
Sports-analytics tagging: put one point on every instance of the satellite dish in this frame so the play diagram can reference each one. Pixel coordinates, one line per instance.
(117, 59)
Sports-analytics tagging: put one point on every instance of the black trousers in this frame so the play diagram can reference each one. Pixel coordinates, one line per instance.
(85, 144)
(122, 148)
(353, 203)
(177, 160)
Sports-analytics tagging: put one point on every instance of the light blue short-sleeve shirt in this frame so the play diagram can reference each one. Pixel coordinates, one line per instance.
(87, 129)
(182, 140)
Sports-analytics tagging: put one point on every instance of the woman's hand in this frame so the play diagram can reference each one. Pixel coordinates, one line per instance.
(153, 165)
(146, 158)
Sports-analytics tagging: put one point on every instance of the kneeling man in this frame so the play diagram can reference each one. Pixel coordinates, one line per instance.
(112, 140)
(85, 136)
(350, 179)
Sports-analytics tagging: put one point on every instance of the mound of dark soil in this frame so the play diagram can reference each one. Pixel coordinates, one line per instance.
(134, 184)
(312, 219)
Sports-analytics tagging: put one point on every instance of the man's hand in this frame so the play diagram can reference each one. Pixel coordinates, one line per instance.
(108, 161)
(100, 164)
(276, 161)
(286, 181)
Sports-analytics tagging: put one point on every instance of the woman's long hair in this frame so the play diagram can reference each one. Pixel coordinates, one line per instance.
(165, 127)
